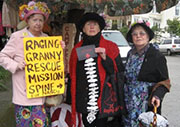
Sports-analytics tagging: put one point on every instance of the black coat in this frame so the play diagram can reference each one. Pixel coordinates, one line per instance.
(154, 69)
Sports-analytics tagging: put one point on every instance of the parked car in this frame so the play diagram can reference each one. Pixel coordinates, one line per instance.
(118, 38)
(170, 46)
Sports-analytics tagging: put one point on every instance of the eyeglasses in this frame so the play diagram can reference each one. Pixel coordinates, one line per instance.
(135, 34)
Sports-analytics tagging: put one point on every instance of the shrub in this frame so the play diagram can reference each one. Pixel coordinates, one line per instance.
(4, 78)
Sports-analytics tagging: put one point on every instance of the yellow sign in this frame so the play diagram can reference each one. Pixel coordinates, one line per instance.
(44, 66)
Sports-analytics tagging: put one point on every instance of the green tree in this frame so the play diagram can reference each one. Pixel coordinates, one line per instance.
(173, 27)
(124, 30)
(5, 76)
(157, 30)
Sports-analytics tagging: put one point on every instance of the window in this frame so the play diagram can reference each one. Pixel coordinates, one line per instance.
(177, 9)
(167, 41)
(115, 37)
(177, 41)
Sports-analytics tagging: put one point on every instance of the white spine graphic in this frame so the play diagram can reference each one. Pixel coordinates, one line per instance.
(93, 89)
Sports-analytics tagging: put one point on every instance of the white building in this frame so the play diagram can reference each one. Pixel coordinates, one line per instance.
(171, 13)
(159, 19)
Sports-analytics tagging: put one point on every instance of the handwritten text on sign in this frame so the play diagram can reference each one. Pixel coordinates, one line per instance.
(45, 66)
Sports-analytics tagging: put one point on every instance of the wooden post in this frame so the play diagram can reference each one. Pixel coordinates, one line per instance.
(69, 33)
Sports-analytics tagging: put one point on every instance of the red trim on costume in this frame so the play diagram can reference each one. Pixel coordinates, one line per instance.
(111, 50)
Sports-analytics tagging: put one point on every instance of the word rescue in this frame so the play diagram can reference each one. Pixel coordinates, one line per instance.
(44, 66)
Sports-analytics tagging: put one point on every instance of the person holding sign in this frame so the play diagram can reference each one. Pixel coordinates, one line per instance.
(91, 60)
(28, 112)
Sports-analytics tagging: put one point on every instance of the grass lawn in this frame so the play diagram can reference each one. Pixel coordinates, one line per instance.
(7, 118)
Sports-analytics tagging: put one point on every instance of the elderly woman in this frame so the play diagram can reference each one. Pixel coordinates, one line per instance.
(146, 74)
(88, 75)
(28, 112)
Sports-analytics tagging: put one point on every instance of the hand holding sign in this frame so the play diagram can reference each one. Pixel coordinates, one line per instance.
(62, 44)
(21, 65)
(101, 51)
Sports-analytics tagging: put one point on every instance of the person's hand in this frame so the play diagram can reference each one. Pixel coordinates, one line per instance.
(63, 44)
(21, 65)
(101, 51)
(155, 101)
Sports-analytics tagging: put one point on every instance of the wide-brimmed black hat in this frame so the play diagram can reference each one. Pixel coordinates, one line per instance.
(146, 28)
(91, 16)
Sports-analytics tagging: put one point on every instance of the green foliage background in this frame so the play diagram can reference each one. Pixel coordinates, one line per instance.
(173, 27)
(5, 76)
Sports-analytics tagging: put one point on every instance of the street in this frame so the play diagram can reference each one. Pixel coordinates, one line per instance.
(171, 103)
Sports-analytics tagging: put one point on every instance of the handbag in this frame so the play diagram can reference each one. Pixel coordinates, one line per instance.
(152, 119)
(112, 100)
